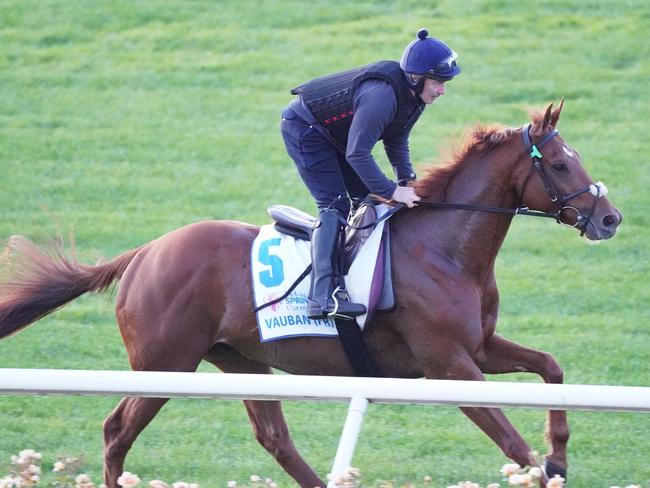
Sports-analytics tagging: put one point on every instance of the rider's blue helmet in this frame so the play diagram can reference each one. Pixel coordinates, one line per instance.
(429, 57)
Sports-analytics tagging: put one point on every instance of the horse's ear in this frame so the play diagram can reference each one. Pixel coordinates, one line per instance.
(555, 116)
(540, 129)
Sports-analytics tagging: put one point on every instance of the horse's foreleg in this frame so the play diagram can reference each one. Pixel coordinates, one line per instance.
(121, 428)
(502, 356)
(492, 421)
(267, 419)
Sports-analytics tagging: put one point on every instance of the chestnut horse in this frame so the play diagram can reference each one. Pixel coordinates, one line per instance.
(186, 296)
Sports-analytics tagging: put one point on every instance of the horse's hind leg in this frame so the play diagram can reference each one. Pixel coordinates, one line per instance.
(133, 414)
(148, 351)
(121, 428)
(502, 356)
(267, 419)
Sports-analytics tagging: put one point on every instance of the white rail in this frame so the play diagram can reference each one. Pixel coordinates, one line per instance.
(358, 391)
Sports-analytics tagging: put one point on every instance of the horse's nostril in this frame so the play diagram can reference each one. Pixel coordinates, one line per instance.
(609, 221)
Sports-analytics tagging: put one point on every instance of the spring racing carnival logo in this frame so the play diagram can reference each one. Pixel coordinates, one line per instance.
(292, 312)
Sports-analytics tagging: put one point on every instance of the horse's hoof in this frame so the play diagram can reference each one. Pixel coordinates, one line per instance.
(551, 469)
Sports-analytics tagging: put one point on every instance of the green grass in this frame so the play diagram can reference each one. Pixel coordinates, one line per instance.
(120, 121)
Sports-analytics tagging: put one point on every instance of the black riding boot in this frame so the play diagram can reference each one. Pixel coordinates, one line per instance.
(324, 243)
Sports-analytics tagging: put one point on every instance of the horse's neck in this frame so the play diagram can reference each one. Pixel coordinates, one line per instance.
(472, 239)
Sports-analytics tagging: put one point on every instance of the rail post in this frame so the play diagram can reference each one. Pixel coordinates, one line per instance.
(349, 436)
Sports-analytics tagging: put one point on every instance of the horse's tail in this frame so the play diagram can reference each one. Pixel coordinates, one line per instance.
(35, 281)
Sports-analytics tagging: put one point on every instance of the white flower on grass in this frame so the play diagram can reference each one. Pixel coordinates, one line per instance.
(510, 469)
(58, 466)
(83, 481)
(469, 484)
(555, 482)
(272, 484)
(26, 457)
(633, 486)
(518, 479)
(527, 480)
(493, 485)
(128, 480)
(255, 478)
(535, 472)
(30, 454)
(184, 484)
(8, 482)
(231, 484)
(158, 484)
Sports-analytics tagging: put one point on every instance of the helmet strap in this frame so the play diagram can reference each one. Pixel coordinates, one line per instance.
(419, 86)
(416, 86)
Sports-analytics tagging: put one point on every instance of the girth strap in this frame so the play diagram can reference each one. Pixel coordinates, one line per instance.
(355, 348)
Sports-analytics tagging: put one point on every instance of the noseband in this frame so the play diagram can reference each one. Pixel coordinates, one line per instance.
(597, 190)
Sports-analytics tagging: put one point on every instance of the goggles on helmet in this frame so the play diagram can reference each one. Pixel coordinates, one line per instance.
(445, 69)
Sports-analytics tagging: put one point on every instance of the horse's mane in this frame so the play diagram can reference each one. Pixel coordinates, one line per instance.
(480, 139)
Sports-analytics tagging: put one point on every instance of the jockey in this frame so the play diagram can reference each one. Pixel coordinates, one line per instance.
(329, 131)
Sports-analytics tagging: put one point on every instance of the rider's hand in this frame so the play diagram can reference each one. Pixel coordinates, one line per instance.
(405, 194)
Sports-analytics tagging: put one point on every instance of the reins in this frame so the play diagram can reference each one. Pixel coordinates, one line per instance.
(484, 208)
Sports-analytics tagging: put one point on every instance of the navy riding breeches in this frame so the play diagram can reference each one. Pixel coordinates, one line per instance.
(322, 167)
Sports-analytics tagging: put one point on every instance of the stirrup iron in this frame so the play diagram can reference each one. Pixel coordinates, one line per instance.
(341, 293)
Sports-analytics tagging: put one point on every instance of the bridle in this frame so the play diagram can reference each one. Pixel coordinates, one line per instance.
(598, 190)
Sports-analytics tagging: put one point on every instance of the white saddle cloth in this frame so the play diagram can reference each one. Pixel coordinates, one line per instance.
(277, 260)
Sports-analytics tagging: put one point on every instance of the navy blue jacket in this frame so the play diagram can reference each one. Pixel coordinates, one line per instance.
(371, 114)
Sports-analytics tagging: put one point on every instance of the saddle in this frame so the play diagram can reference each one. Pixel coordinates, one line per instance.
(298, 224)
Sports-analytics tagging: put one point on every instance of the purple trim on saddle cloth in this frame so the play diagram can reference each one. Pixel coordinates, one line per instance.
(377, 285)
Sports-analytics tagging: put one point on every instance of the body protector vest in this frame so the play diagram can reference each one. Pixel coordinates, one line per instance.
(330, 99)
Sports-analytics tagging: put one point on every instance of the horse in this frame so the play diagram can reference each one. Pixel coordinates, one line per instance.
(186, 296)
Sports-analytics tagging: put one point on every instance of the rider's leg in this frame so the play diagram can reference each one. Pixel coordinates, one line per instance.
(325, 241)
(319, 165)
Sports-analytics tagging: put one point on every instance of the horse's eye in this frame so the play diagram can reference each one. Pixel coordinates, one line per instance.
(560, 167)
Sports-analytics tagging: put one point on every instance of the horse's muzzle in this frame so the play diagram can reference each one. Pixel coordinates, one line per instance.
(601, 227)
